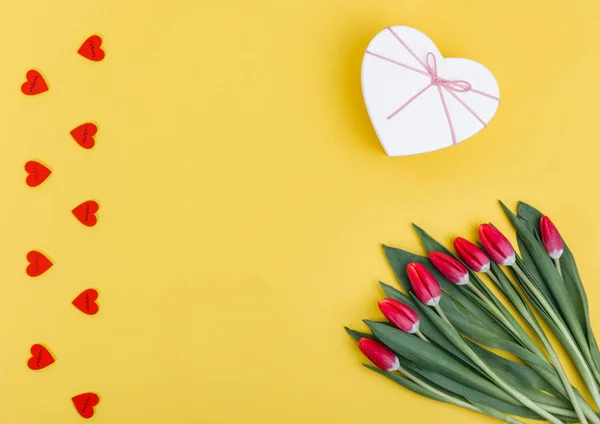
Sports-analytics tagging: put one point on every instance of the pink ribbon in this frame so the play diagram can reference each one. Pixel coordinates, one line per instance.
(430, 69)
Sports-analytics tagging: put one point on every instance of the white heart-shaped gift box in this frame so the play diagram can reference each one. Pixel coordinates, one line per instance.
(419, 101)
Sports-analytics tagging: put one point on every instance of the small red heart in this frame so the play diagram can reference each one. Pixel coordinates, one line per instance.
(40, 357)
(85, 213)
(35, 83)
(90, 49)
(84, 135)
(85, 402)
(37, 173)
(86, 302)
(38, 263)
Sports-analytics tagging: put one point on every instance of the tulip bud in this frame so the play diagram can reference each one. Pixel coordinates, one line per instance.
(399, 314)
(472, 255)
(424, 284)
(453, 270)
(497, 246)
(551, 238)
(379, 354)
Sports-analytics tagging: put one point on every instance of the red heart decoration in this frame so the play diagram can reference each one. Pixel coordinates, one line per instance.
(90, 49)
(85, 213)
(86, 301)
(37, 173)
(38, 263)
(35, 83)
(85, 402)
(40, 357)
(84, 135)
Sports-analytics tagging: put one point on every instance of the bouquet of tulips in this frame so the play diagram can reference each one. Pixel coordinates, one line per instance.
(436, 339)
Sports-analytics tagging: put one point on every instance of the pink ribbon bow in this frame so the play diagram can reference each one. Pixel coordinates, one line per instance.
(430, 69)
(456, 85)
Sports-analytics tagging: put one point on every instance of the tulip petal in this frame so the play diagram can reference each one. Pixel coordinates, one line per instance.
(496, 245)
(379, 354)
(452, 269)
(472, 255)
(400, 315)
(551, 238)
(424, 284)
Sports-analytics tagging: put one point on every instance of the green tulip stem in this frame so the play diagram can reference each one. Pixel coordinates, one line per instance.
(494, 279)
(500, 382)
(557, 263)
(524, 400)
(551, 352)
(496, 311)
(451, 399)
(441, 313)
(579, 360)
(421, 336)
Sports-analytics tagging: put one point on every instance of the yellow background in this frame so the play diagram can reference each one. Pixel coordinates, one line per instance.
(244, 196)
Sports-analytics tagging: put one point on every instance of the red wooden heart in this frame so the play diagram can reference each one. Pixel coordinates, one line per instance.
(85, 213)
(84, 135)
(40, 357)
(86, 302)
(90, 49)
(35, 83)
(38, 263)
(84, 403)
(37, 173)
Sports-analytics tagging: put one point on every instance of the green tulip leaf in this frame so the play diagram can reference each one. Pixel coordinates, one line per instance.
(357, 335)
(524, 378)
